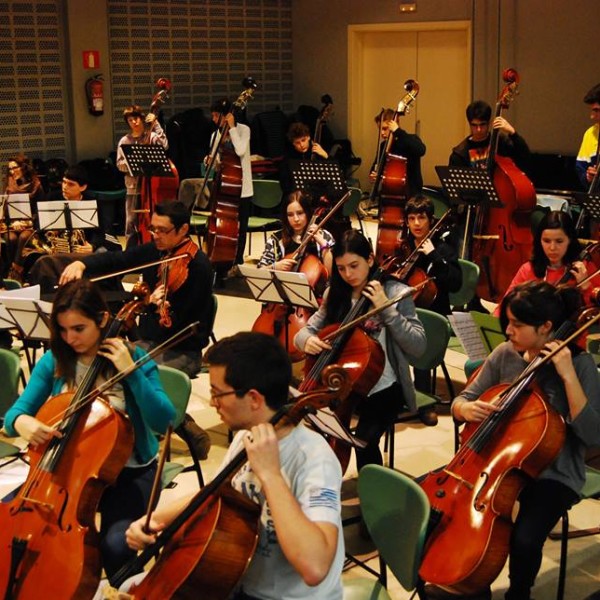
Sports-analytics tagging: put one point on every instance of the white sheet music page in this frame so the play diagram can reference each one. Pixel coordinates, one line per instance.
(469, 335)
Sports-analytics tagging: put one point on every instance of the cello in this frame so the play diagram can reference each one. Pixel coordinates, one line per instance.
(49, 526)
(154, 189)
(223, 226)
(390, 185)
(208, 546)
(502, 238)
(472, 497)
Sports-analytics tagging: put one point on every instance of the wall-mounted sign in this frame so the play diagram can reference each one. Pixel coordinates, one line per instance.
(91, 59)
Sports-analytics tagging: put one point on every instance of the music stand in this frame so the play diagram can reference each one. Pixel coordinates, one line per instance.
(18, 207)
(590, 203)
(68, 215)
(319, 178)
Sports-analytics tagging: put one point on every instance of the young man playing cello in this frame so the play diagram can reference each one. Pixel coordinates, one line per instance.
(292, 473)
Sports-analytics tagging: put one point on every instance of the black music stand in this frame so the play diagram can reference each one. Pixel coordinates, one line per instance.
(472, 187)
(18, 207)
(149, 160)
(68, 215)
(319, 178)
(590, 204)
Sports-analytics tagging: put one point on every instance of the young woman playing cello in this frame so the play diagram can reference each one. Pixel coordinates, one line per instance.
(397, 328)
(555, 256)
(77, 324)
(297, 214)
(529, 314)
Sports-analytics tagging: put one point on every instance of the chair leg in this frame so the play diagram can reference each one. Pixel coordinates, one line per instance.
(183, 434)
(392, 434)
(562, 571)
(449, 383)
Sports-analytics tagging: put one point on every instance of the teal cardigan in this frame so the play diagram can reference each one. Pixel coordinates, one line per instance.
(146, 402)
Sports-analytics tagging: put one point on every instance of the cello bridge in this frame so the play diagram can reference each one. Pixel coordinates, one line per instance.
(486, 237)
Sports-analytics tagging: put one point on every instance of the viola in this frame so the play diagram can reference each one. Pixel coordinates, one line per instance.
(222, 226)
(172, 275)
(49, 527)
(390, 185)
(154, 189)
(473, 496)
(502, 238)
(208, 546)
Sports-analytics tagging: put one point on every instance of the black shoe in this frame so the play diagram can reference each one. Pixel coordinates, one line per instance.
(197, 436)
(428, 416)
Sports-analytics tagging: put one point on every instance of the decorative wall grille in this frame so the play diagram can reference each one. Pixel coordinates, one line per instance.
(205, 47)
(32, 80)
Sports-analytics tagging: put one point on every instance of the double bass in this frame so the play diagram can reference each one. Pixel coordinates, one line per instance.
(390, 184)
(48, 532)
(502, 238)
(472, 497)
(322, 119)
(154, 188)
(223, 226)
(208, 546)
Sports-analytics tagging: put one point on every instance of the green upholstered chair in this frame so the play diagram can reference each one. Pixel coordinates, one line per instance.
(10, 372)
(267, 195)
(470, 277)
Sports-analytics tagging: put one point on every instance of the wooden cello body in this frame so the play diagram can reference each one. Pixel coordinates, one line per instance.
(502, 237)
(474, 495)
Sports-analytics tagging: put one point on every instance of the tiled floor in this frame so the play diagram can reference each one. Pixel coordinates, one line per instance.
(418, 449)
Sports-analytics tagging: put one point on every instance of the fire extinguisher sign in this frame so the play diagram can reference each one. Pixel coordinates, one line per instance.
(91, 59)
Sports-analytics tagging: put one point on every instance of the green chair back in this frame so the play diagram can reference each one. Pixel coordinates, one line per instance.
(178, 387)
(396, 512)
(437, 331)
(470, 277)
(10, 371)
(350, 206)
(11, 284)
(267, 193)
(440, 203)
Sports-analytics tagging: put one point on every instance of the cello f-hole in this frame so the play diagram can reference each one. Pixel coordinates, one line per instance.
(477, 504)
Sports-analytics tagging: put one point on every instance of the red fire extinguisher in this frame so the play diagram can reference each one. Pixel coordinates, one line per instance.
(94, 90)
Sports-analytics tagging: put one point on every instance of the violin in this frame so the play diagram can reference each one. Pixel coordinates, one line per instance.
(390, 184)
(172, 275)
(502, 238)
(154, 189)
(222, 226)
(208, 546)
(49, 527)
(472, 497)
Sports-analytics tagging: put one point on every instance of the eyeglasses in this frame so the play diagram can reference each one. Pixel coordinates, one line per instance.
(13, 168)
(160, 230)
(216, 396)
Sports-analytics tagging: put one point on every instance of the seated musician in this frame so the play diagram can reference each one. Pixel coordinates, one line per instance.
(191, 301)
(438, 258)
(556, 257)
(47, 253)
(473, 150)
(408, 145)
(78, 325)
(570, 384)
(587, 157)
(21, 178)
(397, 328)
(292, 473)
(297, 214)
(143, 129)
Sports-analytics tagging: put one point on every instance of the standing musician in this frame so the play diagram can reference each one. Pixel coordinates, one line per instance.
(408, 145)
(473, 150)
(297, 214)
(291, 473)
(77, 325)
(587, 157)
(21, 178)
(397, 328)
(570, 384)
(556, 256)
(238, 138)
(438, 258)
(191, 301)
(52, 247)
(143, 129)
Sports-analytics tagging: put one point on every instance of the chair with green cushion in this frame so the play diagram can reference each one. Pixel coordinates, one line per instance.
(396, 512)
(440, 202)
(267, 195)
(10, 371)
(437, 331)
(350, 208)
(470, 277)
(179, 387)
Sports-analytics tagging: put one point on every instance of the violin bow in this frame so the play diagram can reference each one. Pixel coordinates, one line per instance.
(156, 485)
(154, 263)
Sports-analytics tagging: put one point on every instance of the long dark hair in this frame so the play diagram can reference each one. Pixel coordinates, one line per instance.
(555, 219)
(29, 178)
(339, 299)
(287, 233)
(85, 297)
(536, 302)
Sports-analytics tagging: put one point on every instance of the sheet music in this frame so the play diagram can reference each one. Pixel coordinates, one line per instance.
(31, 293)
(27, 312)
(469, 335)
